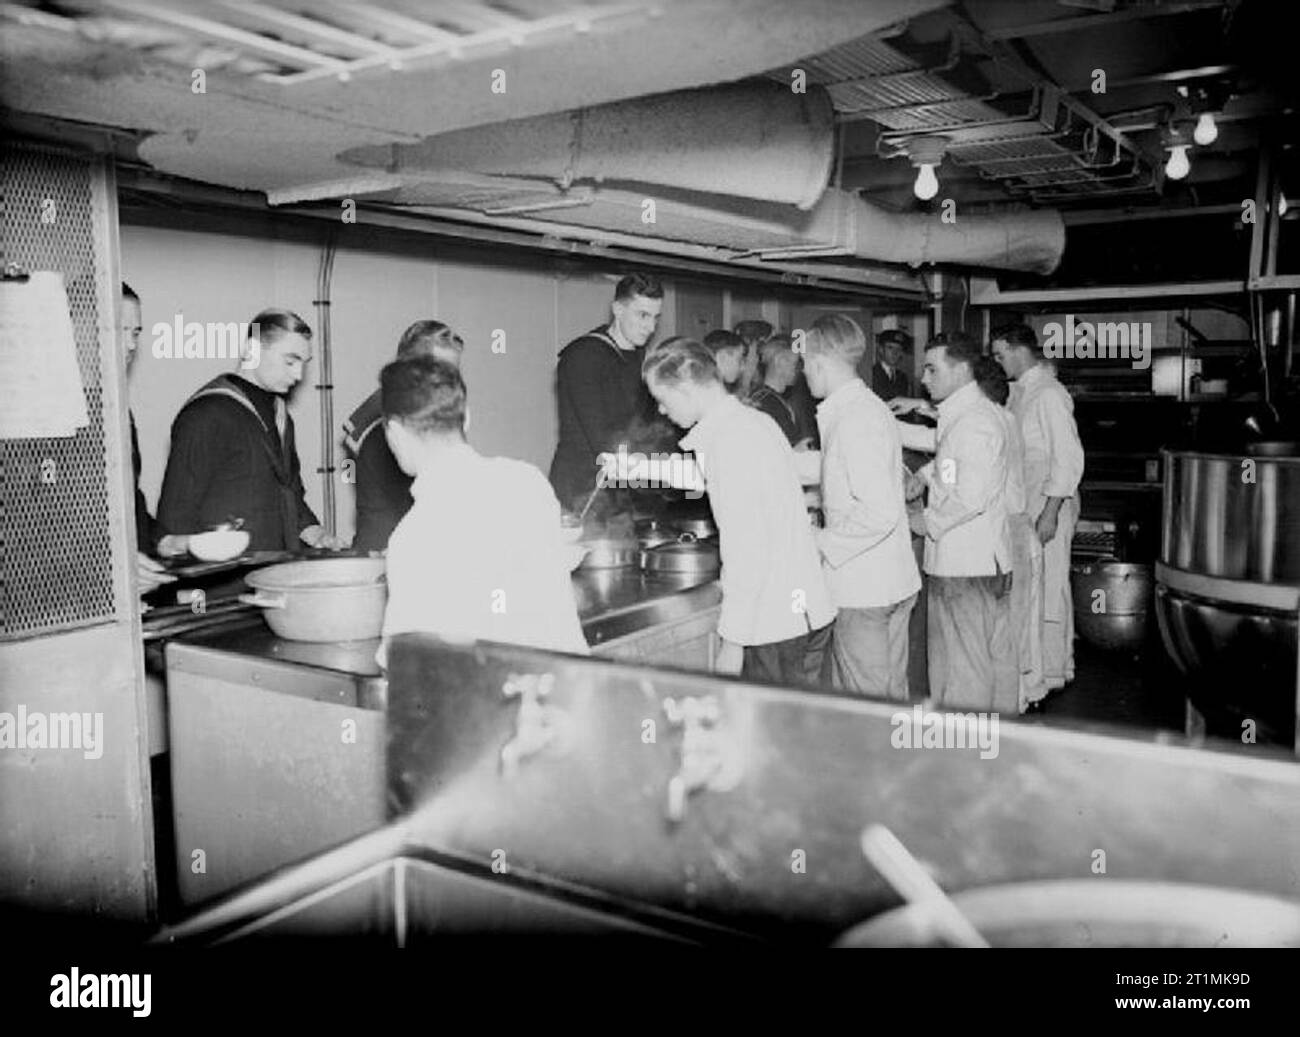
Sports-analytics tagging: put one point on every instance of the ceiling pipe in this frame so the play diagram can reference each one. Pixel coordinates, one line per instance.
(1032, 241)
(761, 141)
(753, 159)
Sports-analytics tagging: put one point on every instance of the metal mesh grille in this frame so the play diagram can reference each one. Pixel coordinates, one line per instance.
(55, 549)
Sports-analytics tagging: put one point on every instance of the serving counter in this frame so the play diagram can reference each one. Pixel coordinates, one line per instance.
(528, 789)
(277, 747)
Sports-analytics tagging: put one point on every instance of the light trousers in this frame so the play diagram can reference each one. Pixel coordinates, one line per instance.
(1027, 608)
(1058, 603)
(973, 654)
(869, 652)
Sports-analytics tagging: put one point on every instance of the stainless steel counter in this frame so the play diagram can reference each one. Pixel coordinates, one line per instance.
(278, 747)
(612, 603)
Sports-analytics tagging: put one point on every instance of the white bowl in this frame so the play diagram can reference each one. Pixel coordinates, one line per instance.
(220, 545)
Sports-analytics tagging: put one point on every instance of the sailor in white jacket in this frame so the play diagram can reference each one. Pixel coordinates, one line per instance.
(972, 652)
(866, 546)
(1053, 469)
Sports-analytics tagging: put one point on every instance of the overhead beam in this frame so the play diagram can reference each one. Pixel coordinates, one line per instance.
(1056, 26)
(987, 293)
(298, 57)
(1085, 217)
(1176, 75)
(309, 27)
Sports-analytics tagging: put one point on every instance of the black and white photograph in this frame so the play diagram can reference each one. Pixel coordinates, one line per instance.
(619, 475)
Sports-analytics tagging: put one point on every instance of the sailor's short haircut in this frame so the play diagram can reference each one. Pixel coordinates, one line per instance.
(1015, 335)
(835, 335)
(959, 347)
(425, 337)
(681, 360)
(645, 285)
(424, 393)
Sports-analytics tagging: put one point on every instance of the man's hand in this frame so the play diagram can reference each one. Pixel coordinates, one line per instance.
(315, 536)
(913, 487)
(1048, 520)
(1046, 525)
(907, 405)
(173, 545)
(149, 574)
(916, 522)
(731, 657)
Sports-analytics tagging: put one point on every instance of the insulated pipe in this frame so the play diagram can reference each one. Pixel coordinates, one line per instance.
(1032, 241)
(761, 141)
(752, 163)
(840, 225)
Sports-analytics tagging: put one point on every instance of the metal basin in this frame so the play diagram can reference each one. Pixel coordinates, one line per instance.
(1241, 660)
(1097, 913)
(326, 599)
(686, 558)
(608, 553)
(1125, 604)
(1229, 583)
(1233, 516)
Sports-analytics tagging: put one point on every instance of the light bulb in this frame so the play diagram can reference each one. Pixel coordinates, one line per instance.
(927, 184)
(1206, 131)
(1178, 165)
(1281, 205)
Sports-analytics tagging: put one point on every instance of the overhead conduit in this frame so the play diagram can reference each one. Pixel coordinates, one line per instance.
(760, 142)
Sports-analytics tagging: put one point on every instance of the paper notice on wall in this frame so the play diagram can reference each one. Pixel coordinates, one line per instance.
(41, 394)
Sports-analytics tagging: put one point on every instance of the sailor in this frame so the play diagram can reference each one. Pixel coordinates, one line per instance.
(599, 391)
(233, 454)
(1054, 464)
(383, 490)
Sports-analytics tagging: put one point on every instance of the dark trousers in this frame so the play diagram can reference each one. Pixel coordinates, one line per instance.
(796, 662)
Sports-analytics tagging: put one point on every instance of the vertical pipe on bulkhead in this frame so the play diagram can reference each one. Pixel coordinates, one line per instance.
(325, 384)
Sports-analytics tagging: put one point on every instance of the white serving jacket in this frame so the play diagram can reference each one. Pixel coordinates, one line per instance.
(866, 544)
(966, 513)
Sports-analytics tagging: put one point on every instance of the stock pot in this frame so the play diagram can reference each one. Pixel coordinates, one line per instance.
(1227, 590)
(325, 599)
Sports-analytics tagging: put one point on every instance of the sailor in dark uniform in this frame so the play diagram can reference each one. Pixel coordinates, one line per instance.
(383, 489)
(601, 398)
(233, 453)
(149, 573)
(888, 379)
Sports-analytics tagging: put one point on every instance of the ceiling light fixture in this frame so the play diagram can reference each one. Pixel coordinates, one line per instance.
(1178, 165)
(1206, 131)
(1175, 139)
(926, 153)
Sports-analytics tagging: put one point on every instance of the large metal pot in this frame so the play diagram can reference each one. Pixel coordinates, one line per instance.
(1233, 516)
(326, 599)
(682, 559)
(699, 528)
(1097, 913)
(1228, 583)
(608, 553)
(1115, 618)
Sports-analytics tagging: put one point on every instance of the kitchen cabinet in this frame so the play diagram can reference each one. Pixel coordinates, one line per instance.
(272, 760)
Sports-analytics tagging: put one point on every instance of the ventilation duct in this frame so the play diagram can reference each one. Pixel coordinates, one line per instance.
(754, 141)
(742, 167)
